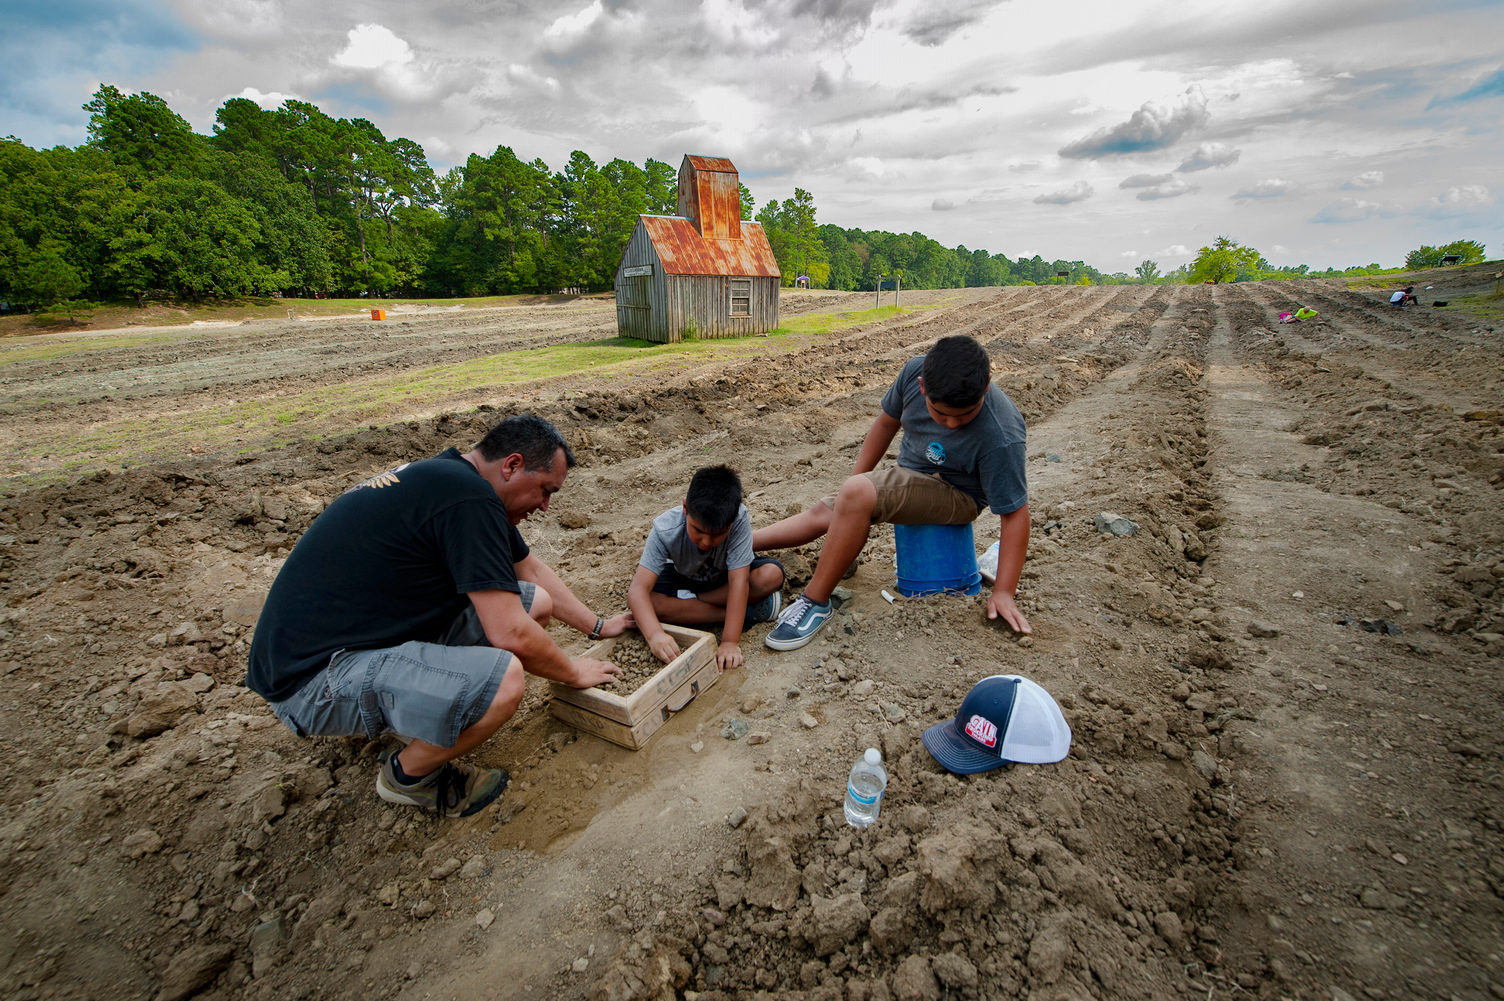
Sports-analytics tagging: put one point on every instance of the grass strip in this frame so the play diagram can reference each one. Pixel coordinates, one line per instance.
(274, 420)
(257, 423)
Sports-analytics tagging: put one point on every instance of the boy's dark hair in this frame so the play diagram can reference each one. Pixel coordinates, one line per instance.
(529, 436)
(956, 371)
(714, 497)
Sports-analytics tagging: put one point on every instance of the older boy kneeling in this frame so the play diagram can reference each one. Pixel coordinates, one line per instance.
(698, 568)
(963, 448)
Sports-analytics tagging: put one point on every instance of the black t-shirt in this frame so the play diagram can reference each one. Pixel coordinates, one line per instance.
(391, 560)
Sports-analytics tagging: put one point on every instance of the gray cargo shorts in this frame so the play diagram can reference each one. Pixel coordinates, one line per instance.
(428, 691)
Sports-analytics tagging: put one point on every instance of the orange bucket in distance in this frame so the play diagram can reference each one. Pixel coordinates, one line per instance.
(378, 314)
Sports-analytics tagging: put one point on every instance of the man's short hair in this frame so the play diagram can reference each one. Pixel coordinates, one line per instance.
(956, 371)
(529, 436)
(714, 498)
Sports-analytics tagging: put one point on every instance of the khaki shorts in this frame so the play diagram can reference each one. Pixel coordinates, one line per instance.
(905, 497)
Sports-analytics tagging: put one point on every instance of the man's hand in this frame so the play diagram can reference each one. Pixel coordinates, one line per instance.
(589, 673)
(727, 656)
(663, 647)
(1001, 605)
(618, 624)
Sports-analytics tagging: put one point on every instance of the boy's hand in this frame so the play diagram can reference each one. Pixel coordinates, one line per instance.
(617, 624)
(1001, 605)
(589, 673)
(663, 647)
(727, 655)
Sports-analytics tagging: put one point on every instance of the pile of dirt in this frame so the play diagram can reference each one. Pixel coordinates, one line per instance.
(637, 663)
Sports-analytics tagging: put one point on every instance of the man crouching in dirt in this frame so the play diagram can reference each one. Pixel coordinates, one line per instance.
(963, 449)
(413, 606)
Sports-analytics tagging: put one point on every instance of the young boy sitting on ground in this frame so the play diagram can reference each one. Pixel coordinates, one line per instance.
(698, 568)
(963, 448)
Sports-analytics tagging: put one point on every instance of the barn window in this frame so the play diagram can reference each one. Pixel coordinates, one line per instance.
(741, 297)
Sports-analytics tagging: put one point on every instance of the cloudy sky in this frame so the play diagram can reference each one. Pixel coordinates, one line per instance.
(1330, 133)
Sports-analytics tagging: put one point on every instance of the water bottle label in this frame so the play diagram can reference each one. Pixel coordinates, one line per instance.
(864, 800)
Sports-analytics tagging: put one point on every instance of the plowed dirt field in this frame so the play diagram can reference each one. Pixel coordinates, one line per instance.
(1286, 778)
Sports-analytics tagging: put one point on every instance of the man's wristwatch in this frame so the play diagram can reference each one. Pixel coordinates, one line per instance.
(600, 623)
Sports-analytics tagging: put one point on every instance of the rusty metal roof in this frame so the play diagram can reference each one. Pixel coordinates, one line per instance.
(684, 251)
(718, 164)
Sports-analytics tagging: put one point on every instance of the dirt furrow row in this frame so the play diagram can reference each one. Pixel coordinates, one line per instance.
(1371, 821)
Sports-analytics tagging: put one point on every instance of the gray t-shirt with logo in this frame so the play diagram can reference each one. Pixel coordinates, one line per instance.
(984, 458)
(669, 542)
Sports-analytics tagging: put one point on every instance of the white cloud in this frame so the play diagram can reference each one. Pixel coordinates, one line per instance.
(733, 23)
(372, 47)
(1129, 253)
(572, 25)
(942, 205)
(1078, 192)
(1271, 188)
(1151, 127)
(1362, 182)
(1173, 188)
(531, 78)
(1209, 154)
(237, 19)
(1347, 210)
(375, 51)
(871, 166)
(268, 101)
(1175, 250)
(1469, 196)
(1157, 186)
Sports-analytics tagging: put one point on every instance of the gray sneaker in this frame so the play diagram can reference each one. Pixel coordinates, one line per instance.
(762, 611)
(798, 624)
(455, 789)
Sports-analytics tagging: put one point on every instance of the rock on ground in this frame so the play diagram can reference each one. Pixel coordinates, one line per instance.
(192, 969)
(161, 709)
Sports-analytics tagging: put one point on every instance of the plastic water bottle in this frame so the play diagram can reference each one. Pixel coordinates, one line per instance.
(864, 789)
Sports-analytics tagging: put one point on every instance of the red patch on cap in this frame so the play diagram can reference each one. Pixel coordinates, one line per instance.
(982, 731)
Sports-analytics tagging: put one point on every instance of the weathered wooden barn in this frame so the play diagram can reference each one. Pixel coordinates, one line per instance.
(702, 273)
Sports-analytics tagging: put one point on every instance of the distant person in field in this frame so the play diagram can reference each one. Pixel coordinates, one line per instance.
(698, 569)
(962, 451)
(1404, 297)
(413, 606)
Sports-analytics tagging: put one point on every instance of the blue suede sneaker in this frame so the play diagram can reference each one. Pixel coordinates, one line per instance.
(762, 611)
(798, 624)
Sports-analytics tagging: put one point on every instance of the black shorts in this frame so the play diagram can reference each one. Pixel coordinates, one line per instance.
(671, 581)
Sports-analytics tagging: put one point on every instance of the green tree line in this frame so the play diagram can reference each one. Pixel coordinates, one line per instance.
(293, 201)
(854, 259)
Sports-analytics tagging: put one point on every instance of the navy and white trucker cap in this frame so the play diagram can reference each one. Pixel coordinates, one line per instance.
(1003, 718)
